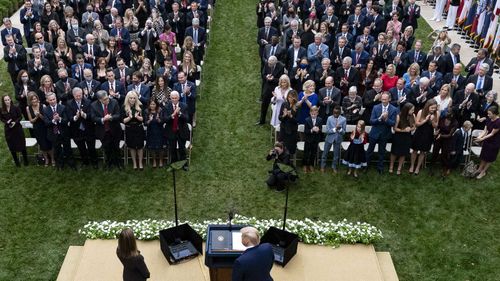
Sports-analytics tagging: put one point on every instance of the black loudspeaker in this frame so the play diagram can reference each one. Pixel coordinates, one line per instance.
(180, 243)
(284, 244)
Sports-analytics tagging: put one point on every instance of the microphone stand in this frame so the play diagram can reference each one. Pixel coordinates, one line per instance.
(174, 167)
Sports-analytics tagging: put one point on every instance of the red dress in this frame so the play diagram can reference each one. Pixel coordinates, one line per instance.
(388, 82)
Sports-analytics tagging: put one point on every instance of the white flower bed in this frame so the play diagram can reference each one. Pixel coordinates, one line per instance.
(309, 231)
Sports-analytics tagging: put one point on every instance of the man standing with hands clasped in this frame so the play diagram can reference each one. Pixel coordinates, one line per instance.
(382, 119)
(335, 130)
(256, 262)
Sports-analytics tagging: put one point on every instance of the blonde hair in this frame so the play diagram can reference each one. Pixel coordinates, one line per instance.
(307, 84)
(285, 78)
(417, 69)
(137, 105)
(192, 65)
(251, 235)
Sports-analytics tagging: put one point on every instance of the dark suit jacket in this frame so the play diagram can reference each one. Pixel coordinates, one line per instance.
(436, 87)
(153, 36)
(75, 70)
(37, 73)
(401, 67)
(464, 113)
(415, 93)
(96, 52)
(288, 36)
(72, 39)
(97, 113)
(166, 117)
(144, 95)
(49, 50)
(190, 16)
(379, 25)
(202, 35)
(369, 41)
(353, 79)
(28, 22)
(16, 34)
(128, 75)
(395, 97)
(382, 129)
(90, 91)
(125, 43)
(269, 85)
(254, 264)
(487, 82)
(61, 93)
(363, 59)
(190, 100)
(336, 97)
(279, 52)
(410, 57)
(356, 28)
(447, 63)
(119, 87)
(74, 126)
(350, 39)
(410, 16)
(335, 56)
(261, 35)
(310, 136)
(460, 83)
(471, 66)
(61, 125)
(178, 26)
(290, 57)
(18, 62)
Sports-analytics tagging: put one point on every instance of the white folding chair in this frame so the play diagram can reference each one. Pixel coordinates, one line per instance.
(300, 144)
(30, 142)
(475, 149)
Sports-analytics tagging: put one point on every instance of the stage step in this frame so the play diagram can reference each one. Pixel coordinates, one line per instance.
(358, 262)
(387, 266)
(70, 264)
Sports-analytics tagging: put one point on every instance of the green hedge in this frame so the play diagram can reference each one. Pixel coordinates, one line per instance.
(9, 7)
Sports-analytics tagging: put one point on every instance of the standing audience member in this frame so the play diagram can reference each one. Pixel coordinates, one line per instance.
(443, 142)
(278, 178)
(279, 96)
(491, 142)
(426, 121)
(335, 130)
(307, 99)
(289, 124)
(351, 106)
(175, 116)
(154, 133)
(271, 73)
(132, 117)
(401, 141)
(460, 144)
(312, 131)
(355, 158)
(11, 116)
(382, 119)
(35, 111)
(134, 267)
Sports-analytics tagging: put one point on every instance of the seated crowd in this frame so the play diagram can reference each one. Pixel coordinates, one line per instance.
(105, 72)
(342, 69)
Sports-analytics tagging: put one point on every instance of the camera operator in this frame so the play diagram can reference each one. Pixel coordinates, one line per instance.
(277, 178)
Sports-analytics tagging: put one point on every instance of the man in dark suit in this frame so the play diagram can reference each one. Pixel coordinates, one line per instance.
(91, 51)
(322, 73)
(398, 58)
(419, 94)
(465, 104)
(411, 14)
(122, 72)
(379, 52)
(435, 77)
(264, 35)
(47, 50)
(257, 260)
(271, 74)
(199, 36)
(109, 19)
(344, 32)
(474, 64)
(56, 120)
(399, 93)
(115, 88)
(378, 24)
(455, 79)
(38, 66)
(416, 55)
(15, 56)
(292, 33)
(382, 119)
(331, 19)
(168, 71)
(359, 56)
(175, 116)
(274, 49)
(346, 76)
(148, 38)
(483, 81)
(371, 98)
(313, 135)
(105, 113)
(64, 86)
(329, 97)
(142, 90)
(177, 21)
(9, 30)
(356, 22)
(366, 39)
(195, 13)
(78, 68)
(89, 86)
(451, 59)
(340, 52)
(294, 53)
(391, 9)
(81, 128)
(75, 37)
(187, 92)
(123, 39)
(460, 140)
(28, 16)
(437, 56)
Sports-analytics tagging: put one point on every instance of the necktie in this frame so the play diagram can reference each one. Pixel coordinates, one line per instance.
(56, 127)
(175, 123)
(106, 123)
(384, 109)
(328, 94)
(477, 67)
(341, 51)
(272, 51)
(455, 78)
(90, 50)
(400, 93)
(416, 57)
(195, 35)
(479, 83)
(454, 59)
(357, 58)
(380, 48)
(267, 33)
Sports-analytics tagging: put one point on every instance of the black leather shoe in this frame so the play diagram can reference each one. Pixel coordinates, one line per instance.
(259, 124)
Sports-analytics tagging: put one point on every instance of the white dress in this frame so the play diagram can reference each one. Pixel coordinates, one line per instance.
(443, 104)
(276, 102)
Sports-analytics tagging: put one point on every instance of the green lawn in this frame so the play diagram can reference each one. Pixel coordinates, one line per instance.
(435, 229)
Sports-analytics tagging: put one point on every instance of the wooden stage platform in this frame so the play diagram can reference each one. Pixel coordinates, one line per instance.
(96, 261)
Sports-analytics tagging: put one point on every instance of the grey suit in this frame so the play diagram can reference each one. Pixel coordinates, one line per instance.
(334, 137)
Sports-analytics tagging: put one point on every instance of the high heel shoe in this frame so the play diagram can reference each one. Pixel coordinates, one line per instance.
(398, 172)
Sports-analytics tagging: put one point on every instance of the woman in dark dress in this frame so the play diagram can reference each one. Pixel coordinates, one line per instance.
(368, 77)
(482, 114)
(289, 124)
(134, 267)
(100, 70)
(491, 142)
(355, 157)
(427, 120)
(161, 92)
(154, 133)
(11, 116)
(35, 116)
(23, 86)
(48, 14)
(444, 142)
(401, 140)
(134, 131)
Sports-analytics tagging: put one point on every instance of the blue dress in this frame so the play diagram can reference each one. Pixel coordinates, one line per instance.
(154, 133)
(304, 109)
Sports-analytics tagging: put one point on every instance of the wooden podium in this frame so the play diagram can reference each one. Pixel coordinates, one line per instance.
(222, 251)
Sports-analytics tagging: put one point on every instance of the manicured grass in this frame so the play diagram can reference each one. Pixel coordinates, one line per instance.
(435, 229)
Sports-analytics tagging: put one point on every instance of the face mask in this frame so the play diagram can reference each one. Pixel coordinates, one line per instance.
(74, 26)
(24, 79)
(303, 65)
(89, 10)
(88, 79)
